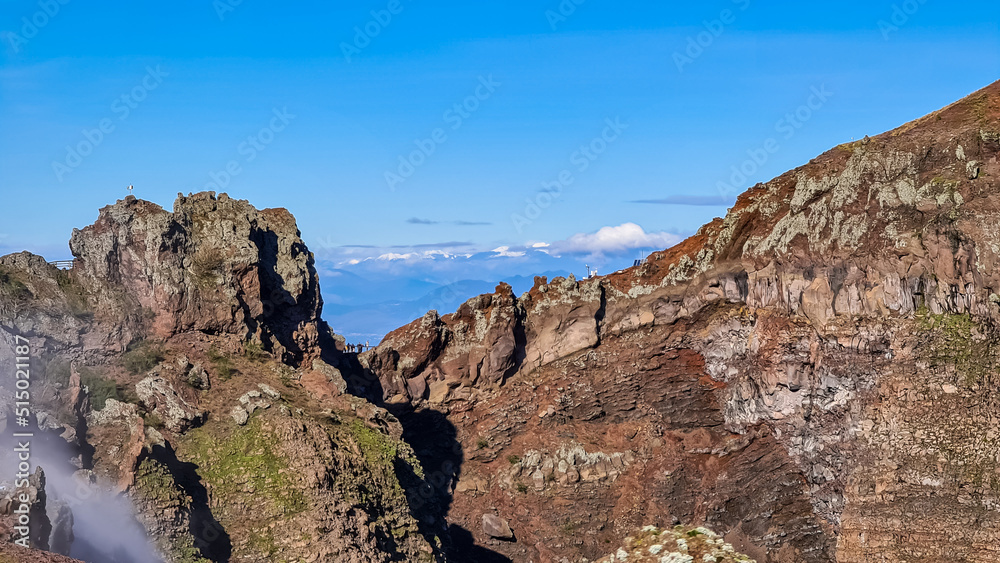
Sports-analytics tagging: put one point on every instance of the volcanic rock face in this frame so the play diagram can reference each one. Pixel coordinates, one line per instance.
(166, 324)
(477, 345)
(40, 299)
(811, 376)
(215, 265)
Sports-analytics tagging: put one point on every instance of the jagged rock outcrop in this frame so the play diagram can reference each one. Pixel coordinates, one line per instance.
(333, 479)
(481, 344)
(812, 375)
(214, 264)
(42, 300)
(123, 437)
(167, 324)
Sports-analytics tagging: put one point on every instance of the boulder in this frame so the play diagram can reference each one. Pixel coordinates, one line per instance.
(269, 391)
(240, 415)
(160, 398)
(198, 378)
(496, 527)
(331, 374)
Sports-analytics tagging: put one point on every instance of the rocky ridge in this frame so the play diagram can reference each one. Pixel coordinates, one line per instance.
(168, 322)
(214, 265)
(810, 375)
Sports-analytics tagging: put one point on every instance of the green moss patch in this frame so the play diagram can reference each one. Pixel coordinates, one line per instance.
(391, 474)
(12, 287)
(76, 297)
(222, 364)
(245, 464)
(154, 481)
(99, 388)
(142, 357)
(377, 448)
(960, 341)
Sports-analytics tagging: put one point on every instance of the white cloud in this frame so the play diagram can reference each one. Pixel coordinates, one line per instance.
(410, 257)
(506, 252)
(441, 253)
(390, 256)
(624, 237)
(609, 242)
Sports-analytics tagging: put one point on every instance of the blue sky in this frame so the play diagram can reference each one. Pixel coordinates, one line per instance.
(497, 98)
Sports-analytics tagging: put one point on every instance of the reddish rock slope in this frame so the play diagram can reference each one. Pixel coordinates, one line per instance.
(813, 376)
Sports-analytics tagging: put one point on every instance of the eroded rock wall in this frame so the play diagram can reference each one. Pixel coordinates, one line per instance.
(812, 375)
(214, 264)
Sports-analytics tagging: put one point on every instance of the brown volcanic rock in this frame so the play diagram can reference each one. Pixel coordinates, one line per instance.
(811, 376)
(42, 300)
(497, 527)
(477, 345)
(312, 474)
(215, 265)
(484, 332)
(561, 318)
(286, 486)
